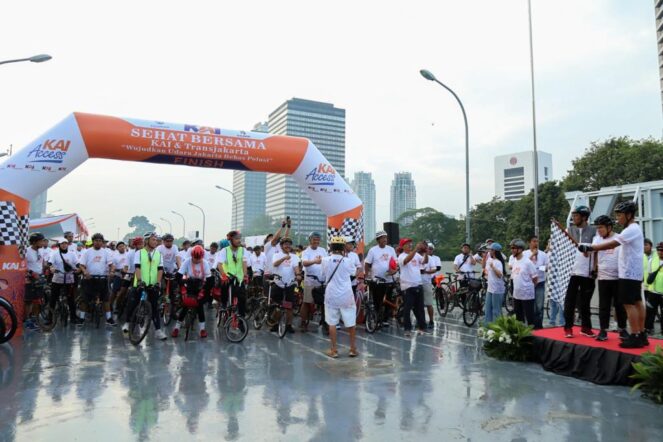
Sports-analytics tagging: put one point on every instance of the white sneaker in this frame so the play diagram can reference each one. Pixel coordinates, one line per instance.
(160, 335)
(125, 328)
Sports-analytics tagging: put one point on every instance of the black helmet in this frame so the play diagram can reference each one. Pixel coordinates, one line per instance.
(626, 207)
(582, 211)
(97, 236)
(36, 237)
(603, 220)
(168, 237)
(518, 243)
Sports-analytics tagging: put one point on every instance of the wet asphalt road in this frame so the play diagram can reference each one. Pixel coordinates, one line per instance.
(93, 385)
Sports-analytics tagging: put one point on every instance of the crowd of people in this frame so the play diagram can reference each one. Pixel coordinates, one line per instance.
(111, 272)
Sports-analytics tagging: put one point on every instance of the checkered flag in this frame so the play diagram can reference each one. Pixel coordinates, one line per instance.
(13, 228)
(351, 227)
(562, 258)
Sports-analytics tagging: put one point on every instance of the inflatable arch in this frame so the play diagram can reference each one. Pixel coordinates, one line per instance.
(80, 136)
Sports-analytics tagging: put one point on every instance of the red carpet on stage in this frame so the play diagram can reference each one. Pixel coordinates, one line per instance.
(557, 333)
(586, 358)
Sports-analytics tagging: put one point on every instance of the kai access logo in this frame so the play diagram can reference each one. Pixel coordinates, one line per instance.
(323, 175)
(51, 150)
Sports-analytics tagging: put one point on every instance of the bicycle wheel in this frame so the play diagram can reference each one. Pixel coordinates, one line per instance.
(441, 301)
(508, 300)
(259, 318)
(188, 325)
(222, 317)
(165, 310)
(47, 318)
(297, 306)
(452, 299)
(140, 322)
(9, 321)
(400, 316)
(472, 309)
(236, 328)
(98, 313)
(371, 320)
(282, 324)
(547, 308)
(270, 321)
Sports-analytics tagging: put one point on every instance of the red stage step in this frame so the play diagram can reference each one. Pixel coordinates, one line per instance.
(557, 333)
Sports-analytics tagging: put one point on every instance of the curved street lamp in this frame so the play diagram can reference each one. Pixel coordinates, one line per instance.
(203, 212)
(428, 75)
(234, 204)
(183, 222)
(34, 59)
(170, 225)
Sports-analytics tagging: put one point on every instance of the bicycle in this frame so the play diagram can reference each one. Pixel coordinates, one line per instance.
(508, 302)
(9, 320)
(97, 308)
(476, 299)
(141, 318)
(392, 303)
(235, 326)
(190, 302)
(49, 315)
(366, 305)
(166, 310)
(442, 295)
(253, 295)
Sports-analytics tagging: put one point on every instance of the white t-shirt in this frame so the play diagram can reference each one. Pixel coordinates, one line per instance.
(427, 278)
(286, 270)
(97, 262)
(338, 293)
(435, 262)
(522, 272)
(354, 259)
(379, 257)
(310, 254)
(583, 264)
(35, 261)
(495, 283)
(269, 256)
(61, 276)
(257, 263)
(120, 261)
(466, 266)
(410, 272)
(131, 254)
(184, 255)
(169, 256)
(210, 258)
(193, 270)
(630, 256)
(608, 260)
(540, 264)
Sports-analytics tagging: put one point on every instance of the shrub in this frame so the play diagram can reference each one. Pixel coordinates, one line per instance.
(508, 339)
(649, 375)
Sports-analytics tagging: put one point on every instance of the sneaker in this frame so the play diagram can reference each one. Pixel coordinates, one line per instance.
(203, 333)
(644, 340)
(633, 341)
(111, 322)
(125, 328)
(603, 336)
(552, 324)
(589, 333)
(289, 329)
(568, 332)
(175, 333)
(623, 334)
(160, 335)
(431, 325)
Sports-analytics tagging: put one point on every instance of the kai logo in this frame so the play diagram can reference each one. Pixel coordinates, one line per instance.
(323, 175)
(11, 266)
(51, 150)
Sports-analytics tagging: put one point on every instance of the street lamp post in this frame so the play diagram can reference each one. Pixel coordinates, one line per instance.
(35, 59)
(203, 212)
(234, 204)
(536, 155)
(429, 76)
(183, 222)
(170, 225)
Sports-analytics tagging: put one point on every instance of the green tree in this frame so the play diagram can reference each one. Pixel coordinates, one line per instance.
(141, 225)
(552, 204)
(442, 230)
(491, 220)
(616, 161)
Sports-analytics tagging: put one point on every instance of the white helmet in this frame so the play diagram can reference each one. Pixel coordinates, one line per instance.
(380, 234)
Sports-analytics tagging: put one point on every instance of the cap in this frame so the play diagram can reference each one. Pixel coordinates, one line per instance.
(403, 241)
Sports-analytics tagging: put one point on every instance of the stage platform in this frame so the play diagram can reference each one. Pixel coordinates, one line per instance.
(586, 358)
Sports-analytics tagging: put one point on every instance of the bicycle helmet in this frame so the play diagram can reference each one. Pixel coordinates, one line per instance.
(88, 243)
(495, 246)
(518, 243)
(582, 211)
(626, 207)
(198, 252)
(197, 242)
(603, 220)
(168, 237)
(136, 241)
(337, 240)
(380, 234)
(349, 239)
(149, 235)
(224, 243)
(314, 235)
(431, 245)
(97, 236)
(36, 237)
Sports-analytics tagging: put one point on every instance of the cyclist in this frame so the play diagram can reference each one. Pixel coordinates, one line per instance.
(540, 260)
(96, 263)
(198, 274)
(62, 263)
(148, 264)
(286, 265)
(121, 265)
(630, 271)
(410, 262)
(377, 264)
(358, 278)
(607, 267)
(428, 271)
(311, 260)
(169, 252)
(271, 246)
(257, 264)
(232, 263)
(524, 276)
(337, 272)
(210, 256)
(183, 253)
(581, 285)
(464, 262)
(69, 236)
(35, 271)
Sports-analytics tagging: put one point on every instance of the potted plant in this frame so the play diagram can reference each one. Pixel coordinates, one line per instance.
(508, 339)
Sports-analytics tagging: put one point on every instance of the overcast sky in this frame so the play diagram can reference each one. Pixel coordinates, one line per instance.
(228, 64)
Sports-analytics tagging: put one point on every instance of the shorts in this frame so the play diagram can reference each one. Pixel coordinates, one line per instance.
(31, 293)
(629, 291)
(428, 294)
(278, 293)
(128, 280)
(94, 287)
(308, 294)
(334, 314)
(117, 283)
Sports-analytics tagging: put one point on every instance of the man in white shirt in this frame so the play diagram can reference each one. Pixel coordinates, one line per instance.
(96, 263)
(183, 253)
(121, 266)
(410, 262)
(464, 262)
(257, 264)
(286, 265)
(35, 270)
(524, 277)
(312, 258)
(607, 269)
(428, 271)
(631, 271)
(540, 260)
(210, 255)
(379, 272)
(271, 246)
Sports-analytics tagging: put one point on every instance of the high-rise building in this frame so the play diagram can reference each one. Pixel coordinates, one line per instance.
(403, 195)
(514, 173)
(249, 189)
(364, 187)
(38, 205)
(324, 125)
(658, 8)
